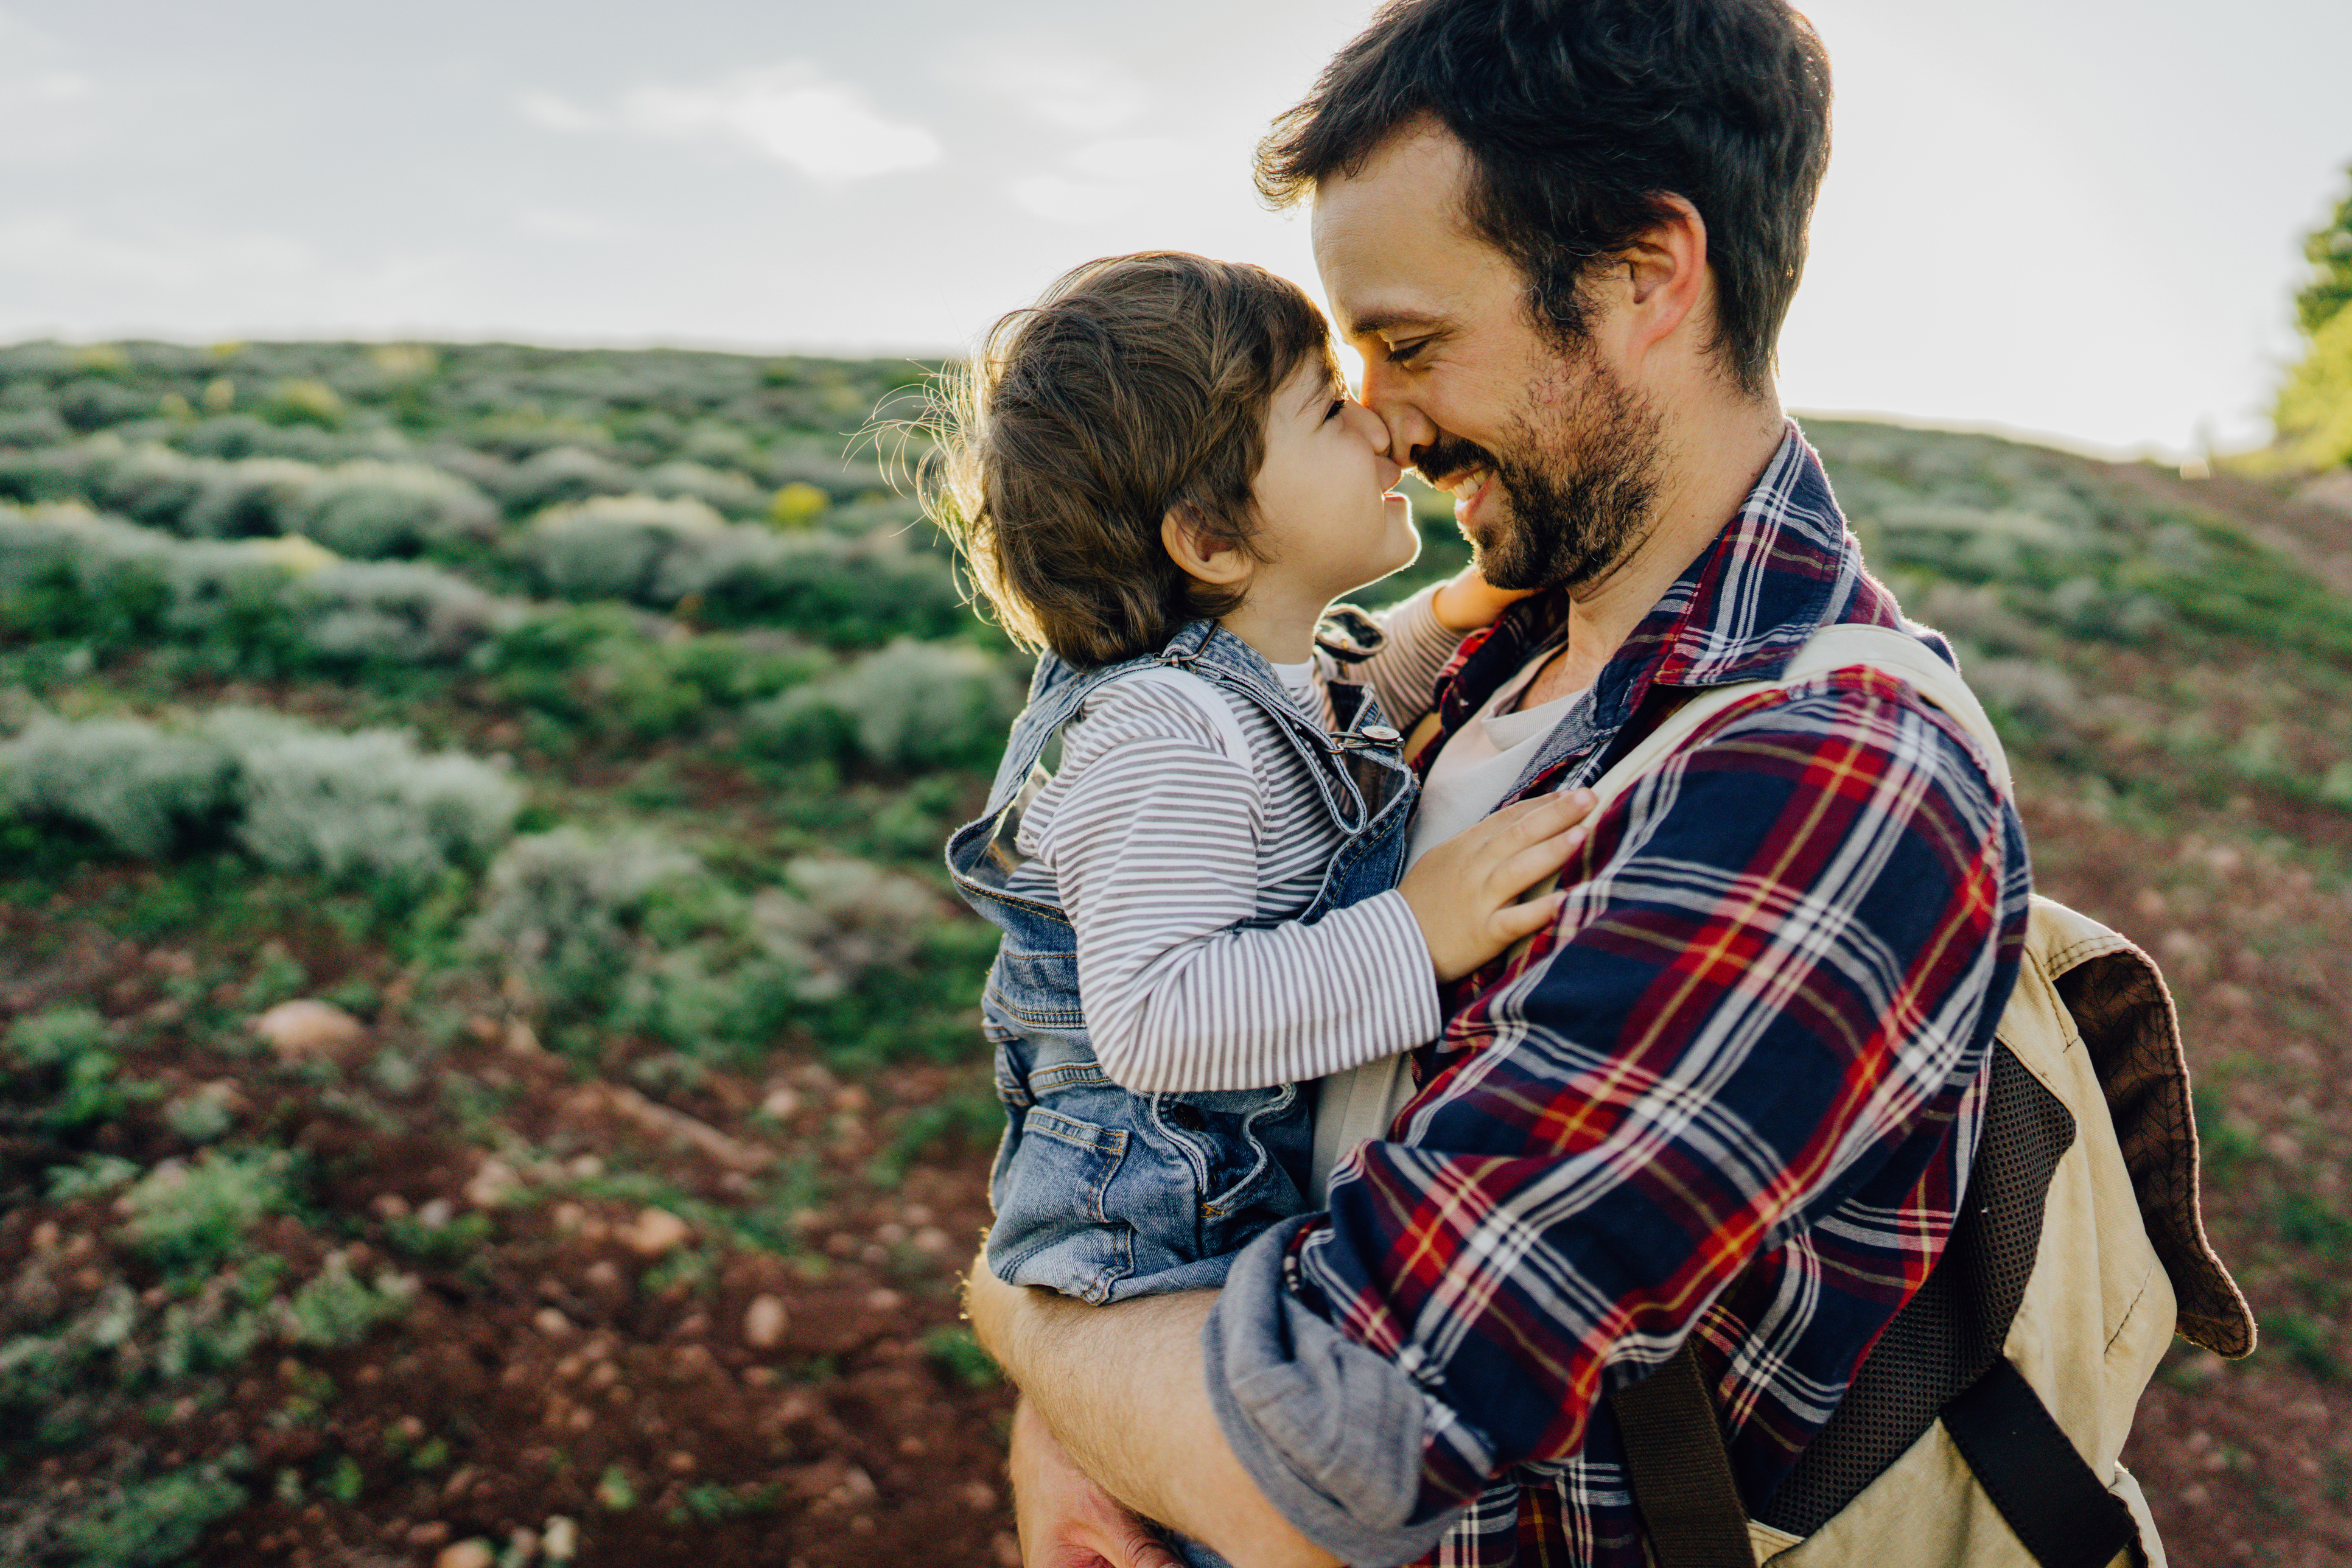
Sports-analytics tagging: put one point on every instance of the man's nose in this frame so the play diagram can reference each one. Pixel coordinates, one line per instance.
(1386, 397)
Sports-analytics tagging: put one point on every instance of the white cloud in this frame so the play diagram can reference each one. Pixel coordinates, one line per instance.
(559, 223)
(791, 113)
(46, 106)
(60, 247)
(1061, 88)
(551, 112)
(1107, 179)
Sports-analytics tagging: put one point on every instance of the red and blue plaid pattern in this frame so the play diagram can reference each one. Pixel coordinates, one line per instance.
(1734, 1094)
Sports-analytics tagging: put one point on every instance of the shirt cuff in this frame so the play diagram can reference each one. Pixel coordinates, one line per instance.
(1331, 1432)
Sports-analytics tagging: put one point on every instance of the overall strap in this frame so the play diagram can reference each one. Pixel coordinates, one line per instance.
(1057, 692)
(1224, 660)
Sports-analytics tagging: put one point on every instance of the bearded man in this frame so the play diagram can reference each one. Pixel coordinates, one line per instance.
(1730, 1100)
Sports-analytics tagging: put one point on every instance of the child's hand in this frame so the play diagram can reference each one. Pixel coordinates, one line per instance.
(1462, 891)
(1468, 601)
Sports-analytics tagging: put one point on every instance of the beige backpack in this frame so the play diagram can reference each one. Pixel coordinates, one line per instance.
(1984, 1427)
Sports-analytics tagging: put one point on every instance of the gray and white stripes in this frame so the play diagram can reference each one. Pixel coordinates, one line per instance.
(1183, 869)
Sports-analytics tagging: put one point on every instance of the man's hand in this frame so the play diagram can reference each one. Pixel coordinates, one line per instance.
(1120, 1391)
(1066, 1521)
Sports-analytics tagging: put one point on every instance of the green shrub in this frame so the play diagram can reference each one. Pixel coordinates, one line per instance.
(335, 1309)
(66, 1049)
(248, 498)
(194, 1216)
(141, 788)
(451, 1242)
(31, 427)
(365, 805)
(203, 1114)
(273, 606)
(2310, 1341)
(564, 910)
(635, 935)
(91, 403)
(910, 706)
(721, 490)
(850, 592)
(149, 1524)
(562, 475)
(370, 510)
(218, 1327)
(352, 613)
(612, 547)
(95, 1177)
(959, 1357)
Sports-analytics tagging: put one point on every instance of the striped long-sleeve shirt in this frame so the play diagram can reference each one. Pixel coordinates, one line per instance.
(1182, 836)
(1731, 1098)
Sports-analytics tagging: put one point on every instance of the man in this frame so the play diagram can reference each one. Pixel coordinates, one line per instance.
(1731, 1099)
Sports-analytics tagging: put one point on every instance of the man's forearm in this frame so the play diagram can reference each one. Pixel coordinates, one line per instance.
(1123, 1389)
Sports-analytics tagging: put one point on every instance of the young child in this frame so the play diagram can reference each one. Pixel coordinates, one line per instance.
(1156, 476)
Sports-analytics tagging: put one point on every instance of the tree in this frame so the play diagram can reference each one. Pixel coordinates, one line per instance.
(2329, 248)
(2314, 407)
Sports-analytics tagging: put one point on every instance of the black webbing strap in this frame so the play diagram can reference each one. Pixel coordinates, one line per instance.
(2031, 1472)
(1680, 1474)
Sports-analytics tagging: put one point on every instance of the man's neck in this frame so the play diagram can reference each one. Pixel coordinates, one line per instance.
(1710, 464)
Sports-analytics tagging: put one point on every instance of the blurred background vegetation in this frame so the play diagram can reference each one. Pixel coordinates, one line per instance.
(2314, 407)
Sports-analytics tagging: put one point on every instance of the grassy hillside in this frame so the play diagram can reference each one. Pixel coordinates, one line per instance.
(486, 1054)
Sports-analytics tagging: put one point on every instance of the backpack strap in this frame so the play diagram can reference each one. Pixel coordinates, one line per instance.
(1676, 1464)
(1679, 1469)
(1832, 647)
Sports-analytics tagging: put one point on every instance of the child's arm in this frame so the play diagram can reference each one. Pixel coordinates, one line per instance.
(1155, 840)
(1422, 633)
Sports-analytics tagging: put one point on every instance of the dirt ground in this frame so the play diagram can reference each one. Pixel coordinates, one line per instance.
(568, 1368)
(745, 1408)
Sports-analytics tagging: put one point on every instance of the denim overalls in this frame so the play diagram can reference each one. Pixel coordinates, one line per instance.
(1101, 1194)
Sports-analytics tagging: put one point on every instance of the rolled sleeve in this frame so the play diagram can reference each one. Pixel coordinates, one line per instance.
(1331, 1432)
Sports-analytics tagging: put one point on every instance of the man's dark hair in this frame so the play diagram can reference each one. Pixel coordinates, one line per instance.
(1137, 386)
(1578, 115)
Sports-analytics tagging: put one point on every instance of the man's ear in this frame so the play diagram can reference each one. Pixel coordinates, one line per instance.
(1203, 554)
(1666, 276)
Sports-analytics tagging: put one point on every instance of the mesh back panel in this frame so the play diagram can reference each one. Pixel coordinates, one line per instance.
(1950, 1332)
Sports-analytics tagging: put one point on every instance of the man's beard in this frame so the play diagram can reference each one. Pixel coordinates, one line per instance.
(1580, 478)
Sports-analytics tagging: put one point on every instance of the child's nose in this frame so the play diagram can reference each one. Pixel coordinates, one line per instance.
(1369, 424)
(1375, 432)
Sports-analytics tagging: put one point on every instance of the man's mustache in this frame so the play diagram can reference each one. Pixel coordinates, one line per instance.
(1448, 459)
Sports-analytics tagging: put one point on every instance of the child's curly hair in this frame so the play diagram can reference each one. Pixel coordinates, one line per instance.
(1136, 387)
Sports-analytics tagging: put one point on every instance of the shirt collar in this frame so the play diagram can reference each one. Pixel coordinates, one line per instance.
(1782, 568)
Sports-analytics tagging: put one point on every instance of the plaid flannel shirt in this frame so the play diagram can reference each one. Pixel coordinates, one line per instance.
(1733, 1095)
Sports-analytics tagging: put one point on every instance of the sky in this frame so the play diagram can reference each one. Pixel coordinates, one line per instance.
(2079, 219)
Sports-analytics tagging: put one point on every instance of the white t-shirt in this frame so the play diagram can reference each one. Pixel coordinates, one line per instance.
(1480, 761)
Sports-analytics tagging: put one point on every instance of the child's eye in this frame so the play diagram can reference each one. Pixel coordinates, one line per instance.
(1333, 412)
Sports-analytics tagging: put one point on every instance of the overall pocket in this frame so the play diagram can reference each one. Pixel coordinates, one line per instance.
(1053, 1224)
(1250, 1151)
